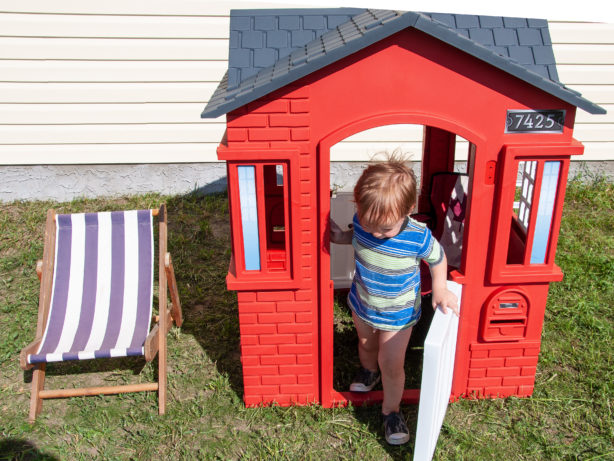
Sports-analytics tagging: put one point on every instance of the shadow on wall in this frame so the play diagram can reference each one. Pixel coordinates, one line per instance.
(219, 185)
(69, 182)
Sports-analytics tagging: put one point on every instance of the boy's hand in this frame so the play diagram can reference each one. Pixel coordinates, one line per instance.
(441, 295)
(445, 299)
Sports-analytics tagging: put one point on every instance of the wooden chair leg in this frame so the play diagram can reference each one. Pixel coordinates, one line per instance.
(162, 379)
(38, 383)
(162, 305)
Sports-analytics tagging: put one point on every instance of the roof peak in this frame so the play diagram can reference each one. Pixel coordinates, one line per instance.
(272, 48)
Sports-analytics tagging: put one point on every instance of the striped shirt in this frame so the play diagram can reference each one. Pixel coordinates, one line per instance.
(385, 291)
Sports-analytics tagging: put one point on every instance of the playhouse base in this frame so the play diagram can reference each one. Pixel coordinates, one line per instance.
(410, 397)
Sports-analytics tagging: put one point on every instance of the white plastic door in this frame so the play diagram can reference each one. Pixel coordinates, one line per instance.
(437, 371)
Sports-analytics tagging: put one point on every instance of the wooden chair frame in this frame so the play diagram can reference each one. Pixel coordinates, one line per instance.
(156, 339)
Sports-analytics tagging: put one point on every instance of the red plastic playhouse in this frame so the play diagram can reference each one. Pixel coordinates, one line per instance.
(300, 81)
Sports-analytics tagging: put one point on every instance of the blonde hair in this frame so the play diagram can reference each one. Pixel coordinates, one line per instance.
(385, 192)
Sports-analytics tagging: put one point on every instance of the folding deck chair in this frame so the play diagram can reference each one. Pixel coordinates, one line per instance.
(96, 298)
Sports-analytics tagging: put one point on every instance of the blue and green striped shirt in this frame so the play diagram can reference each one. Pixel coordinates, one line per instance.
(385, 291)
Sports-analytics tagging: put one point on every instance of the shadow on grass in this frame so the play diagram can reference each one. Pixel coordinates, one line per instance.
(78, 368)
(20, 449)
(346, 363)
(199, 241)
(345, 359)
(371, 417)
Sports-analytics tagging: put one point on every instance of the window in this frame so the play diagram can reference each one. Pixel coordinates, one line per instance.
(528, 213)
(264, 216)
(525, 212)
(276, 222)
(261, 191)
(249, 216)
(543, 225)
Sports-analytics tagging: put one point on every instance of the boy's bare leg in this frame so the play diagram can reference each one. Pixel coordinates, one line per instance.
(392, 348)
(368, 344)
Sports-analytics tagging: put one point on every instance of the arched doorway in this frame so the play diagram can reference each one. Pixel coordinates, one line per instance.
(413, 135)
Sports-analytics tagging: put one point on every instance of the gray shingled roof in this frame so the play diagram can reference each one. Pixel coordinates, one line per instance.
(272, 48)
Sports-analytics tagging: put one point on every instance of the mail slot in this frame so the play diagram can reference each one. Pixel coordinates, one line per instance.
(505, 315)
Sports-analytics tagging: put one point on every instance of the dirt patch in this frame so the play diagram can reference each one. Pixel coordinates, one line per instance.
(220, 228)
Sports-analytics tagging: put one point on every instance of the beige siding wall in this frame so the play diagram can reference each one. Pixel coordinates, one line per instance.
(585, 61)
(110, 82)
(124, 82)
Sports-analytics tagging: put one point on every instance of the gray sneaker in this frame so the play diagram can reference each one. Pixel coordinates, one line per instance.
(365, 380)
(396, 429)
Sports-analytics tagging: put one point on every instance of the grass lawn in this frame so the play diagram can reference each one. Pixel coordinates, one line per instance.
(569, 416)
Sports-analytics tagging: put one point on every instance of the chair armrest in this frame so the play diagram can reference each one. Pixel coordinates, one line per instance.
(151, 345)
(29, 349)
(39, 269)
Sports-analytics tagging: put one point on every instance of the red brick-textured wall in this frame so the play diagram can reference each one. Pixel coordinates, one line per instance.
(279, 328)
(277, 347)
(502, 369)
(270, 121)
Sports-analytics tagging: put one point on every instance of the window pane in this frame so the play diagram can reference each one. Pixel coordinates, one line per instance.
(526, 193)
(249, 216)
(521, 213)
(279, 171)
(275, 221)
(547, 196)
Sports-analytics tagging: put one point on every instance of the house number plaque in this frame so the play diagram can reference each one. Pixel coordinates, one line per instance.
(535, 121)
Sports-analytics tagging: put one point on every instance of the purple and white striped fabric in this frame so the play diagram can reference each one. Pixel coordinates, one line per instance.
(102, 289)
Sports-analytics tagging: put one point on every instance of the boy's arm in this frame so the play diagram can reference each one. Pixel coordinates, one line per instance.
(441, 295)
(338, 235)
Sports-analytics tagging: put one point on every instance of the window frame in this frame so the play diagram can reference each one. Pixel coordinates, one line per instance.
(526, 272)
(239, 278)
